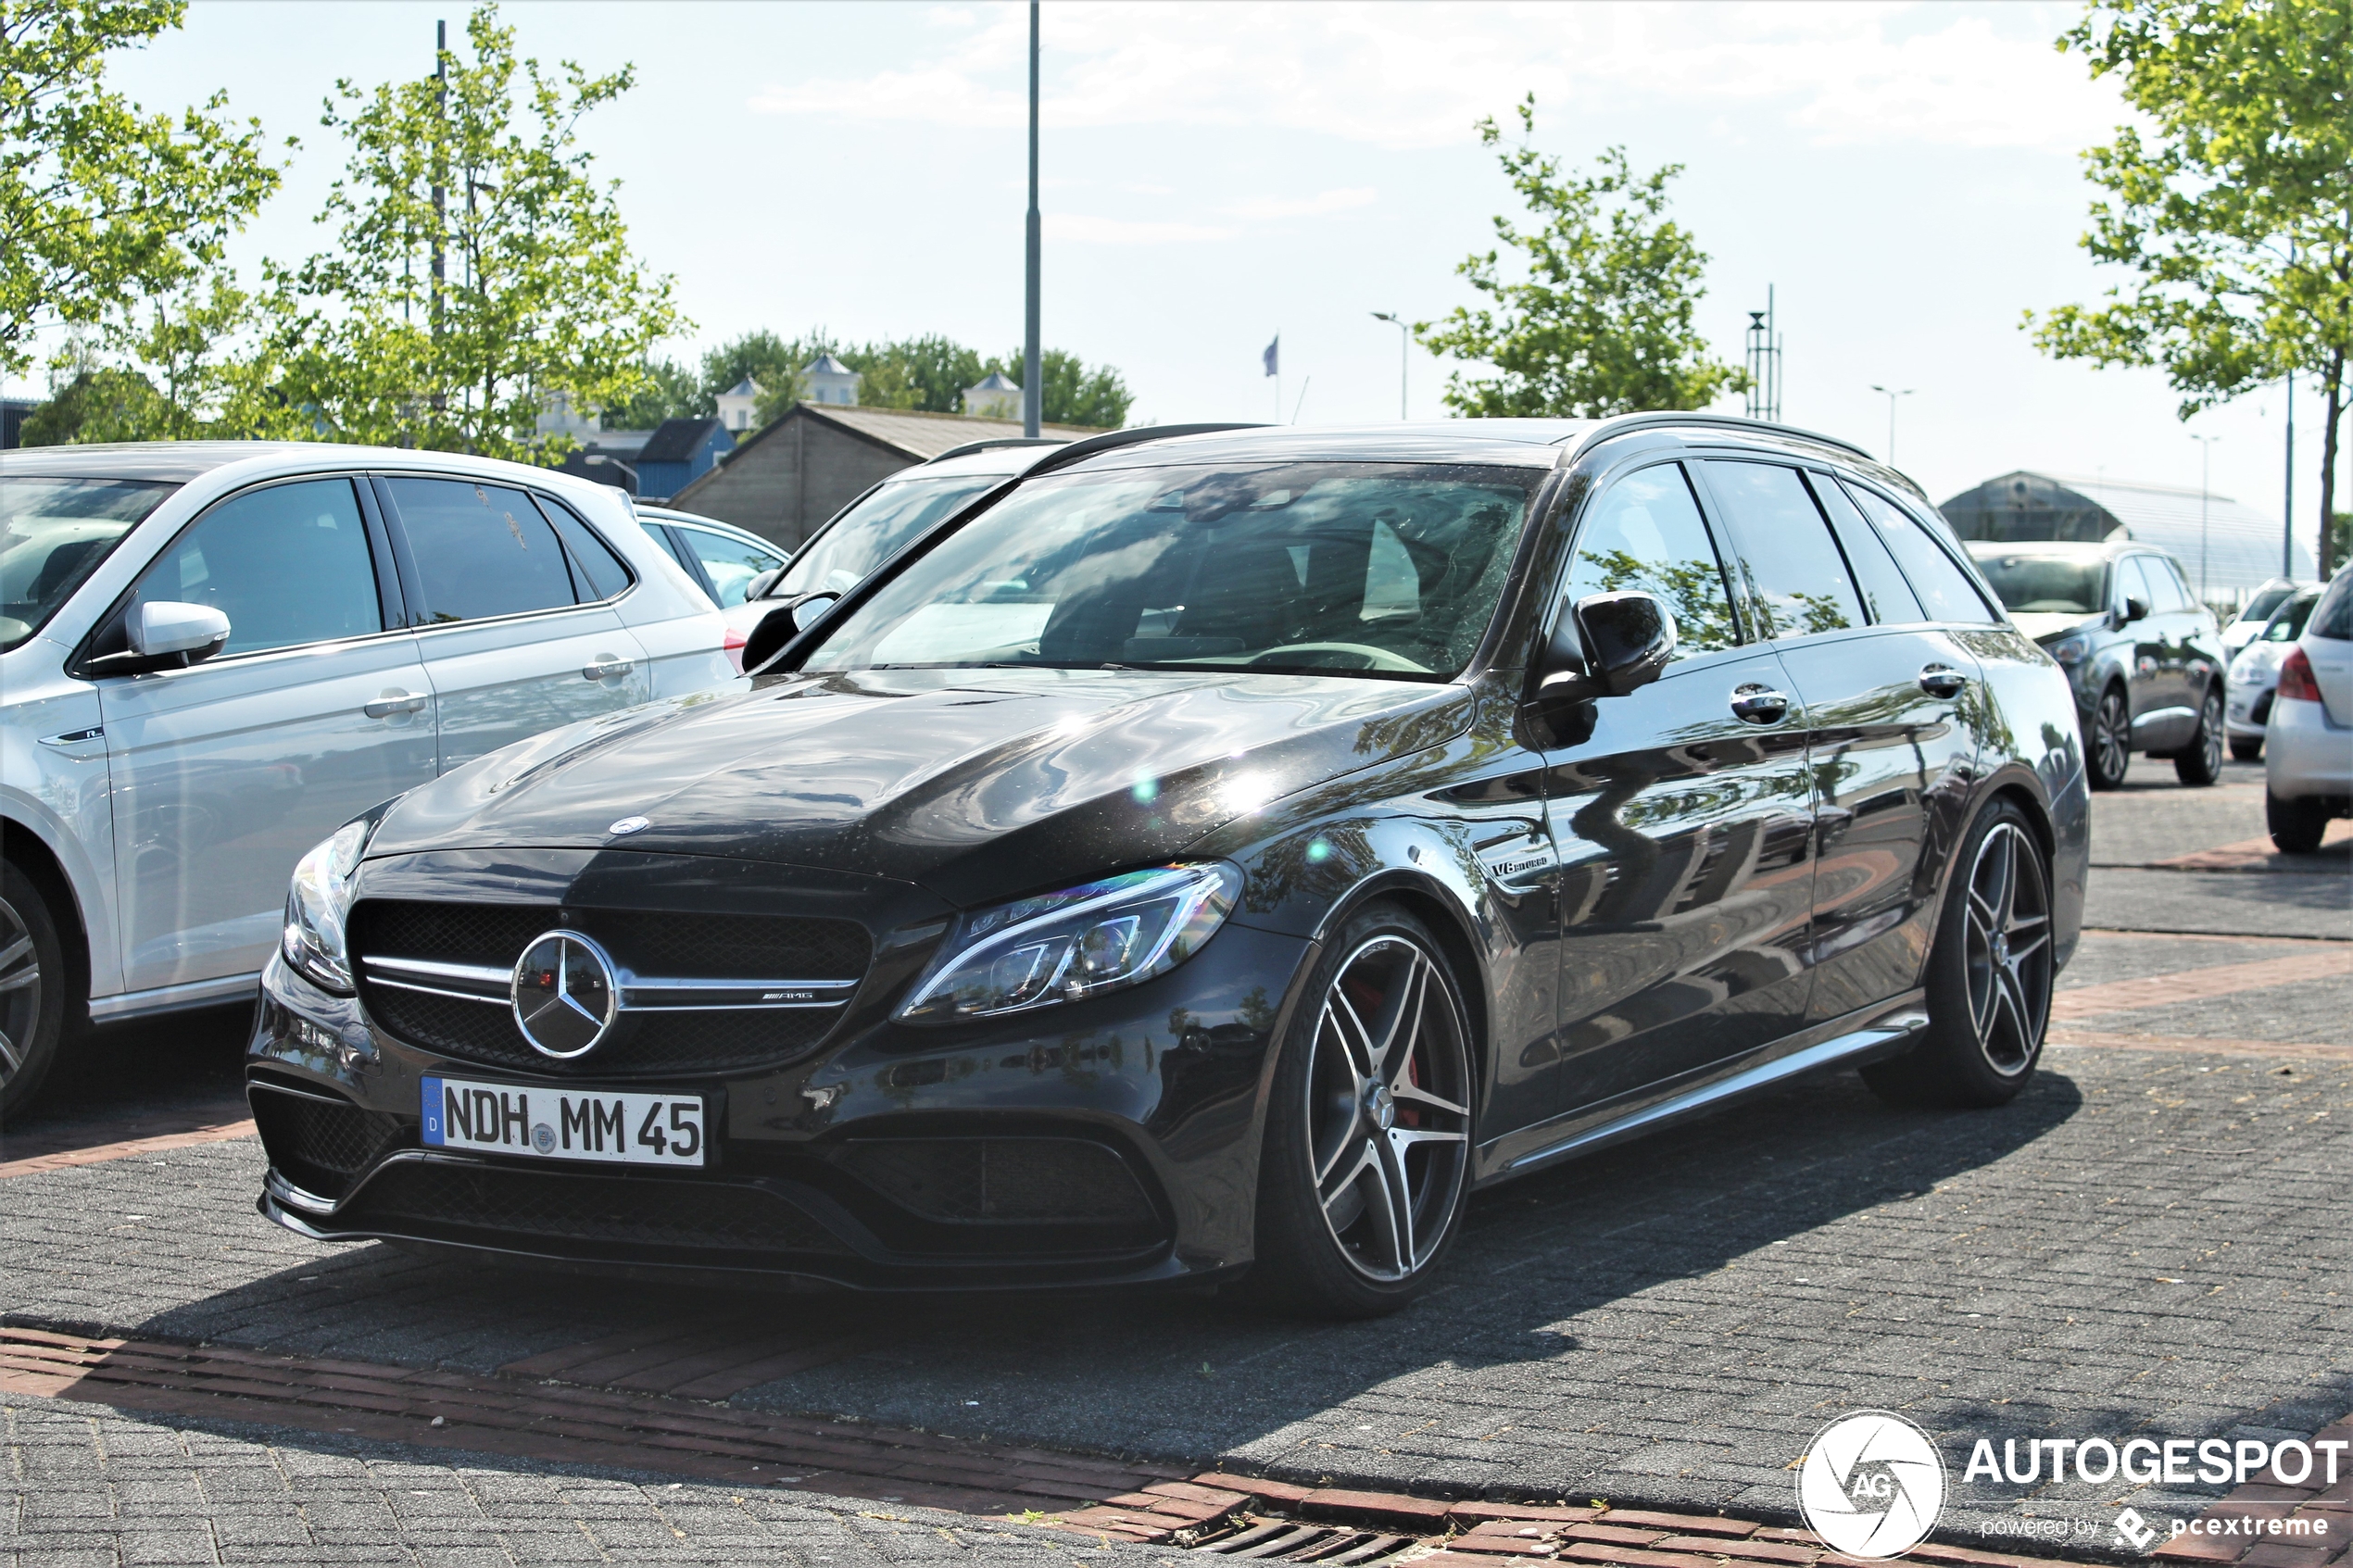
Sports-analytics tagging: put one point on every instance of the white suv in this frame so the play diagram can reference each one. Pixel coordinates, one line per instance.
(213, 653)
(2309, 743)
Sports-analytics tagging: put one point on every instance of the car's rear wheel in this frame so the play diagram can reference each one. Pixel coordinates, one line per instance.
(33, 991)
(1368, 1137)
(2246, 750)
(1989, 975)
(2297, 824)
(2200, 762)
(2107, 743)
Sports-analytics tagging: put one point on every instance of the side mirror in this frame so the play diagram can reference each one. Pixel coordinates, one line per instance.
(782, 624)
(1623, 641)
(2135, 610)
(762, 582)
(163, 627)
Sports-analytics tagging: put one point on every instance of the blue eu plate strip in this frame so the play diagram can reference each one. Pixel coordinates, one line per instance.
(432, 1111)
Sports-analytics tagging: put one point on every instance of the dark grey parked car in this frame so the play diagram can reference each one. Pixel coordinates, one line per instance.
(2143, 656)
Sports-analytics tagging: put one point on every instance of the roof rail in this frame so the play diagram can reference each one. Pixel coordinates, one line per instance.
(1622, 423)
(1078, 451)
(969, 447)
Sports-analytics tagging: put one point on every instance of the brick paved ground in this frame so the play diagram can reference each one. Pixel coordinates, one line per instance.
(2147, 1241)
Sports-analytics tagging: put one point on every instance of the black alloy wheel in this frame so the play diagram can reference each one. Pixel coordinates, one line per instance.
(2200, 762)
(2107, 746)
(33, 991)
(1989, 975)
(1369, 1142)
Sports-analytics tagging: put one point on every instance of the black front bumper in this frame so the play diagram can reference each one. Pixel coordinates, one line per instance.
(1111, 1141)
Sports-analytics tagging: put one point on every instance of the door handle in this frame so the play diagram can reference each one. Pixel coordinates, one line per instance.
(1943, 680)
(395, 701)
(1759, 705)
(607, 666)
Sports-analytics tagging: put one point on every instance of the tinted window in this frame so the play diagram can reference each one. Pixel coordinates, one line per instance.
(2033, 585)
(289, 564)
(1646, 533)
(2261, 606)
(860, 539)
(591, 556)
(2335, 618)
(1271, 568)
(731, 562)
(53, 533)
(1885, 594)
(1797, 584)
(2288, 624)
(480, 549)
(1944, 590)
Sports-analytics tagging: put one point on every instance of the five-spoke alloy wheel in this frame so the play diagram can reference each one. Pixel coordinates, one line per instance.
(33, 991)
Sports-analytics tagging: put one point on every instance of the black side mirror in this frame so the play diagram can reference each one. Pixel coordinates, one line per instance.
(2134, 609)
(1622, 641)
(782, 624)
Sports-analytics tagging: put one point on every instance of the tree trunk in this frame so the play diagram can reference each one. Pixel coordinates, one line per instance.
(2328, 463)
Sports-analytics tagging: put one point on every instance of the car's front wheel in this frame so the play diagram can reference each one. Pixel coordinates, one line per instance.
(2200, 762)
(1368, 1138)
(1989, 975)
(2107, 741)
(33, 991)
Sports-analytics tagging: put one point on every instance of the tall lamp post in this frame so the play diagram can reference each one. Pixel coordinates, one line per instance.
(1033, 384)
(2204, 471)
(1891, 394)
(1405, 352)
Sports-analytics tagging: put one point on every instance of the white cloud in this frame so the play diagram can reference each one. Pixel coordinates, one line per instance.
(1084, 230)
(1418, 75)
(1311, 206)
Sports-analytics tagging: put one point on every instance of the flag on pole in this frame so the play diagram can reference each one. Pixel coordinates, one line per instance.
(1273, 355)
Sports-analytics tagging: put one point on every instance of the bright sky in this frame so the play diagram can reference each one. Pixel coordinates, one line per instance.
(1904, 176)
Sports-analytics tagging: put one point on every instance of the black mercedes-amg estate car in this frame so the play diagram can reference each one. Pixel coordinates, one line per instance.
(1209, 855)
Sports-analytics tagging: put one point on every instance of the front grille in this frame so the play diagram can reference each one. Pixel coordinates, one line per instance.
(316, 1146)
(633, 1211)
(648, 944)
(1067, 1181)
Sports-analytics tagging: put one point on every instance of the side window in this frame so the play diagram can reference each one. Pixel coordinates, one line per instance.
(1645, 532)
(1797, 584)
(288, 564)
(730, 563)
(2170, 583)
(591, 556)
(1944, 590)
(480, 549)
(1885, 594)
(2133, 583)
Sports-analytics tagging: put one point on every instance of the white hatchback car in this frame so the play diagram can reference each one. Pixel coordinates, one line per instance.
(2309, 743)
(213, 653)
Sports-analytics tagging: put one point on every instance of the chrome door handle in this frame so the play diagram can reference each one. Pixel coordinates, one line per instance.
(1943, 680)
(607, 666)
(1760, 705)
(395, 701)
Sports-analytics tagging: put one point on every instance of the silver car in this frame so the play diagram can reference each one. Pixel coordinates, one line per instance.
(2254, 671)
(2307, 766)
(212, 653)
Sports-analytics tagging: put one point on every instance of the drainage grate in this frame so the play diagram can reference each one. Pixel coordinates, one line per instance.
(1290, 1540)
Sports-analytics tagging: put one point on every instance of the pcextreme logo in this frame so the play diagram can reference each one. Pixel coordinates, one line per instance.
(1871, 1485)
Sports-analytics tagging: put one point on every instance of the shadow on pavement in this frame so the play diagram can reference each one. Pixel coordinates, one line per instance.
(148, 1078)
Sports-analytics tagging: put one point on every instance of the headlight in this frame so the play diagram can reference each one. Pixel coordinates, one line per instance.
(1060, 947)
(2070, 651)
(318, 901)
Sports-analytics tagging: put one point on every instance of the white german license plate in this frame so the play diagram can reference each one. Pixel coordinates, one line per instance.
(620, 1129)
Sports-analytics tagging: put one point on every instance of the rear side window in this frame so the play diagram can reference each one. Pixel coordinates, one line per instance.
(480, 549)
(601, 570)
(287, 565)
(2334, 619)
(1944, 590)
(730, 563)
(1797, 583)
(1885, 594)
(1646, 534)
(2167, 577)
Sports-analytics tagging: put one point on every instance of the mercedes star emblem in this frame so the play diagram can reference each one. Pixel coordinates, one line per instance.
(565, 998)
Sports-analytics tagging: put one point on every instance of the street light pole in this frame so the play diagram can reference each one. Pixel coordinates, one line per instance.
(1891, 396)
(1033, 384)
(2205, 472)
(1405, 352)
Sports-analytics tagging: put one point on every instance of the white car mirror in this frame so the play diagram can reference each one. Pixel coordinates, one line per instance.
(163, 626)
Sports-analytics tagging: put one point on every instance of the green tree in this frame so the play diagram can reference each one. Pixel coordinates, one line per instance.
(540, 292)
(2235, 212)
(1601, 323)
(101, 203)
(1076, 394)
(929, 372)
(181, 365)
(670, 392)
(101, 403)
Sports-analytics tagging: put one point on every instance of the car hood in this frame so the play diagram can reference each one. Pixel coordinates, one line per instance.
(977, 784)
(2046, 627)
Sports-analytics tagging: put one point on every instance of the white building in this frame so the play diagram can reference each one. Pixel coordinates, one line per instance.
(739, 404)
(994, 398)
(830, 380)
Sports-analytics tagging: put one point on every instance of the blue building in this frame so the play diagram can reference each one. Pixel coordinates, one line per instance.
(678, 453)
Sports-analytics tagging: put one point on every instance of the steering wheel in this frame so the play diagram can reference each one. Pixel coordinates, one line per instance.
(1341, 655)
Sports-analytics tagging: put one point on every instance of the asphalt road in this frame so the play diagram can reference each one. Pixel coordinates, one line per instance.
(2147, 1241)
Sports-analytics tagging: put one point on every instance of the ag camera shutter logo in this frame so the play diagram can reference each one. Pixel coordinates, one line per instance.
(1871, 1485)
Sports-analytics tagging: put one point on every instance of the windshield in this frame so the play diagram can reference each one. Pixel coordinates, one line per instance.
(1385, 570)
(2261, 606)
(2288, 624)
(2046, 584)
(871, 531)
(53, 533)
